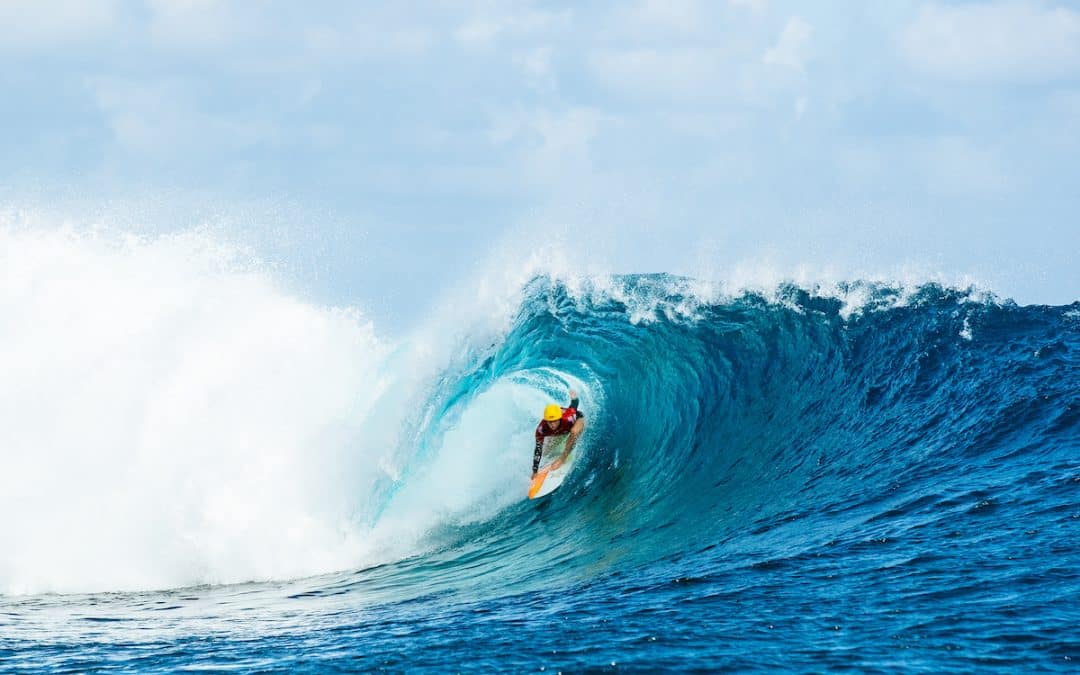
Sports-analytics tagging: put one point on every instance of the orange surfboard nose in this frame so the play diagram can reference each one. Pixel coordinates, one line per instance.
(538, 482)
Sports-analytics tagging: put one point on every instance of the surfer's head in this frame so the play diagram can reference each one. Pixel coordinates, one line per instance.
(552, 415)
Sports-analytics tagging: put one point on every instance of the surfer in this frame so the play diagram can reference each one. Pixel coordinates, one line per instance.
(559, 421)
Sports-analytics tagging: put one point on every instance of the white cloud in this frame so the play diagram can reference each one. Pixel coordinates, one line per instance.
(34, 23)
(755, 6)
(792, 49)
(800, 107)
(1009, 40)
(196, 24)
(536, 64)
(353, 40)
(960, 166)
(687, 72)
(555, 146)
(162, 119)
(478, 31)
(143, 118)
(488, 25)
(667, 16)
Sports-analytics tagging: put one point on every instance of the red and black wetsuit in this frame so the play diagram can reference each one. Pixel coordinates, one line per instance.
(569, 416)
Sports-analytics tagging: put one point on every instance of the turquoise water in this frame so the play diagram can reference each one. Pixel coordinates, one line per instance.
(781, 482)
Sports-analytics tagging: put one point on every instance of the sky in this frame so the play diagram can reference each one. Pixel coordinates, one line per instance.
(381, 152)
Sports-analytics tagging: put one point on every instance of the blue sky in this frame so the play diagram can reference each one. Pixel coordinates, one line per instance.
(378, 150)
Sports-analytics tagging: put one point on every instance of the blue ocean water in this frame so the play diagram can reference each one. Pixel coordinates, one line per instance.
(781, 481)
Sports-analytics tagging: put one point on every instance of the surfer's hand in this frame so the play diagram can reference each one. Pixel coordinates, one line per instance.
(573, 394)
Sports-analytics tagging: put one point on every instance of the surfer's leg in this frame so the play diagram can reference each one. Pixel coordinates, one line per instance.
(536, 456)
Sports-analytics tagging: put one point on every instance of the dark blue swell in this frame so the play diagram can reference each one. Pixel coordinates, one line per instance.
(766, 483)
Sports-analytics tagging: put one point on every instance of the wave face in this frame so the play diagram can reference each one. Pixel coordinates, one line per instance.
(759, 431)
(781, 480)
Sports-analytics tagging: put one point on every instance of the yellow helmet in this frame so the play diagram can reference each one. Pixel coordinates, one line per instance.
(552, 412)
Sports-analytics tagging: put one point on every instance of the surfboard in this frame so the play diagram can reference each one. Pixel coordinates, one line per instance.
(551, 476)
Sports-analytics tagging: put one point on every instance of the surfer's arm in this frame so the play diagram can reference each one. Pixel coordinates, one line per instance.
(571, 440)
(537, 452)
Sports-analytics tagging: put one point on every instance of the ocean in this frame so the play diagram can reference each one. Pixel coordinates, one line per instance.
(202, 471)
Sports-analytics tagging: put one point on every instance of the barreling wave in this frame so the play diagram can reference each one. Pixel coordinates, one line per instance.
(172, 419)
(728, 431)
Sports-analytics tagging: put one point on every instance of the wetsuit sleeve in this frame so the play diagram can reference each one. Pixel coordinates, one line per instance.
(539, 450)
